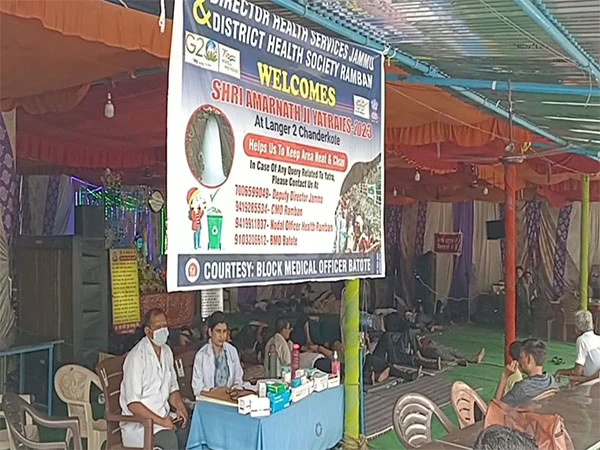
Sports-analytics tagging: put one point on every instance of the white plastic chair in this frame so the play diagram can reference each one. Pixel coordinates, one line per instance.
(412, 415)
(72, 384)
(465, 401)
(31, 430)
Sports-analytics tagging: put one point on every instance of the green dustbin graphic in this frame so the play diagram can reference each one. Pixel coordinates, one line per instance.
(215, 224)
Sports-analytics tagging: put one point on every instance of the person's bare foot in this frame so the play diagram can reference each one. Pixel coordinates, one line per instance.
(480, 355)
(419, 373)
(383, 375)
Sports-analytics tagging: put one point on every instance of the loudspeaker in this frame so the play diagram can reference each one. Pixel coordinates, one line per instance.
(425, 269)
(89, 221)
(495, 229)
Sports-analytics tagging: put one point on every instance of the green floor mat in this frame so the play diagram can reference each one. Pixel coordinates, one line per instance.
(484, 377)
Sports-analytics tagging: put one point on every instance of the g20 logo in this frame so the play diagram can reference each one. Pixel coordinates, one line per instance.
(194, 44)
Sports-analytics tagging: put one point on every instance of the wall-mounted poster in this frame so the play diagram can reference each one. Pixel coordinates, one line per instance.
(125, 289)
(448, 243)
(275, 151)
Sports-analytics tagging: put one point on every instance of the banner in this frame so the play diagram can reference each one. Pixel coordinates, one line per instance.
(275, 151)
(448, 243)
(125, 289)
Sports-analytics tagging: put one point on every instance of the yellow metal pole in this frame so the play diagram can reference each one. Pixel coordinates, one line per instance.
(351, 362)
(584, 262)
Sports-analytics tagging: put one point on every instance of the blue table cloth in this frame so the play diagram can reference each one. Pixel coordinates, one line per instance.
(315, 423)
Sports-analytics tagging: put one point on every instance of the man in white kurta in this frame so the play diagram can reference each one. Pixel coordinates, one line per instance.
(149, 389)
(587, 362)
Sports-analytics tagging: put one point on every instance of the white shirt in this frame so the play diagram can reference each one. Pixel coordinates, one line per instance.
(148, 381)
(588, 353)
(203, 378)
(308, 359)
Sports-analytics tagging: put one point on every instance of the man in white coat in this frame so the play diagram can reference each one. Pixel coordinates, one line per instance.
(150, 389)
(217, 364)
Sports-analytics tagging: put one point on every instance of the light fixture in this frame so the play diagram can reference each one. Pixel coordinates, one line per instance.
(417, 175)
(486, 191)
(587, 141)
(109, 108)
(571, 104)
(573, 119)
(395, 192)
(582, 131)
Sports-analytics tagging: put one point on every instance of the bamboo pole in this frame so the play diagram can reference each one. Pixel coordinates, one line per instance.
(584, 262)
(351, 362)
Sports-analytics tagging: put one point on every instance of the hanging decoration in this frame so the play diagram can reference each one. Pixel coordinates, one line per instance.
(150, 280)
(130, 221)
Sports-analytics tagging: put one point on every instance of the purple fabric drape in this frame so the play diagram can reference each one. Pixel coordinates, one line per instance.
(560, 251)
(51, 204)
(502, 212)
(420, 232)
(26, 208)
(533, 215)
(9, 195)
(393, 227)
(393, 223)
(462, 221)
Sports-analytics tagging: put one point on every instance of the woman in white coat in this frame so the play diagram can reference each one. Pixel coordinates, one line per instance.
(217, 363)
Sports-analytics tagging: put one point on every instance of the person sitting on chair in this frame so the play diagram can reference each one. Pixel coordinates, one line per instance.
(531, 362)
(217, 364)
(498, 437)
(149, 389)
(587, 362)
(514, 350)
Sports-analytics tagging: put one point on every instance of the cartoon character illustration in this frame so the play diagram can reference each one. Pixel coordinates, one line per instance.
(197, 206)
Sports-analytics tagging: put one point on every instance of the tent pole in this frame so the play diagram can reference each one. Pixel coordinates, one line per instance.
(351, 362)
(510, 224)
(585, 242)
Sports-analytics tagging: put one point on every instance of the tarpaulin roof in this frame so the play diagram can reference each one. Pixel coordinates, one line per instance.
(52, 50)
(419, 120)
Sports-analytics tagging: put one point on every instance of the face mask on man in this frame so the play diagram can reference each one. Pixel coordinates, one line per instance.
(160, 336)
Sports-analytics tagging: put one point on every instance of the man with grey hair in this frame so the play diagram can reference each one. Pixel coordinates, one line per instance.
(587, 362)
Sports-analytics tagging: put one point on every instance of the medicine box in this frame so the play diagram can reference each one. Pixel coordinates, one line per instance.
(275, 388)
(320, 382)
(245, 403)
(333, 381)
(280, 401)
(286, 374)
(300, 392)
(262, 389)
(260, 407)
